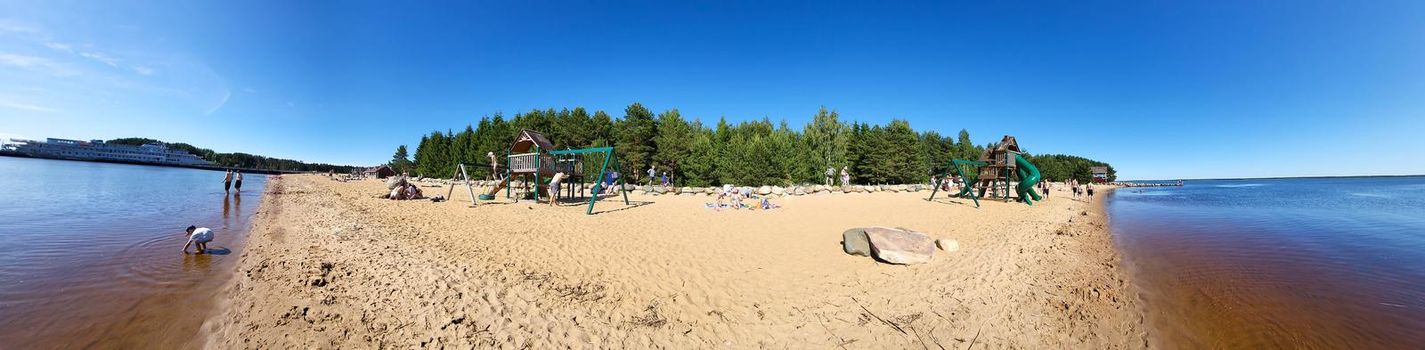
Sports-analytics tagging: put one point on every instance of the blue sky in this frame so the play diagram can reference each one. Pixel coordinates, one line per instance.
(1159, 89)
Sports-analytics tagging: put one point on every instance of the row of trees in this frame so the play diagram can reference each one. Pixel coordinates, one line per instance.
(239, 160)
(751, 152)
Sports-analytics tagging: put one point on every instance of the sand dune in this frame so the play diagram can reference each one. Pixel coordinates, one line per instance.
(330, 266)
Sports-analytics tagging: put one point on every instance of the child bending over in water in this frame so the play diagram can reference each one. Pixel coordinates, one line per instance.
(200, 236)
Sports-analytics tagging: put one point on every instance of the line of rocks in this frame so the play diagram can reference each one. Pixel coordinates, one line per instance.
(764, 191)
(800, 190)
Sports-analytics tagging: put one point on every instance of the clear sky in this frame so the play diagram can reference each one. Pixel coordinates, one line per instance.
(1162, 90)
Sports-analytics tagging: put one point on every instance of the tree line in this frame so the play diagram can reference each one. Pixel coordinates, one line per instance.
(239, 160)
(756, 152)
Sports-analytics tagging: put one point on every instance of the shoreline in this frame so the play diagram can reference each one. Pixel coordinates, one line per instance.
(328, 265)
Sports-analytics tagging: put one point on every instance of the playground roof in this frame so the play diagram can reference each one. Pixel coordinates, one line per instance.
(527, 139)
(1008, 143)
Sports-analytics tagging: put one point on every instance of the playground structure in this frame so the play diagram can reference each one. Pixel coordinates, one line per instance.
(994, 173)
(532, 158)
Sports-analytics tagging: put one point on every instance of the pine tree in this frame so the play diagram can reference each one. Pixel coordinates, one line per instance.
(673, 143)
(400, 162)
(636, 140)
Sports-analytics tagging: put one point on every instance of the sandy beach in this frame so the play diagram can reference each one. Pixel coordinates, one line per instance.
(329, 265)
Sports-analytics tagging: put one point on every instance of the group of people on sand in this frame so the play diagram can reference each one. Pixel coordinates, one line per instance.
(403, 189)
(730, 196)
(1085, 189)
(654, 177)
(231, 178)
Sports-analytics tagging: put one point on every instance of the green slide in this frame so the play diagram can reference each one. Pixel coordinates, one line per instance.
(1028, 177)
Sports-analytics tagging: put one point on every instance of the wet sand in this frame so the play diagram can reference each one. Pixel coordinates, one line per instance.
(328, 265)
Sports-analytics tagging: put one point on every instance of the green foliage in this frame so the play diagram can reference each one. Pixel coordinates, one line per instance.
(1060, 167)
(636, 143)
(755, 152)
(401, 161)
(239, 160)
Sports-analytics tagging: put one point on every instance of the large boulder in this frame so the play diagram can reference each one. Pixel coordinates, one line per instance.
(764, 190)
(687, 190)
(394, 181)
(899, 246)
(854, 242)
(778, 190)
(799, 191)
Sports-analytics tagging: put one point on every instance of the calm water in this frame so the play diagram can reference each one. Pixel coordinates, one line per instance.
(1298, 263)
(89, 252)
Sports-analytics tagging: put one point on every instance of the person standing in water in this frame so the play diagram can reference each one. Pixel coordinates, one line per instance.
(199, 236)
(237, 184)
(227, 181)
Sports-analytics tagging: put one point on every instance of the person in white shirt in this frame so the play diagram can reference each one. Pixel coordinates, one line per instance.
(494, 166)
(200, 236)
(554, 187)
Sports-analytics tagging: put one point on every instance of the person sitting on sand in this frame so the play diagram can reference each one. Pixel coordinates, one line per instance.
(767, 204)
(200, 236)
(554, 187)
(722, 194)
(413, 192)
(736, 198)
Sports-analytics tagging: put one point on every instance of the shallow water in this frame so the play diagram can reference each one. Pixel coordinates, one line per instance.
(1282, 263)
(89, 252)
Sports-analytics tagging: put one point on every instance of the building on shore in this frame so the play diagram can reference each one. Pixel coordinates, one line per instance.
(98, 150)
(1100, 174)
(379, 172)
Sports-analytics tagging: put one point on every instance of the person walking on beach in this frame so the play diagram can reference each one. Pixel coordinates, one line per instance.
(227, 181)
(845, 177)
(199, 236)
(237, 183)
(651, 175)
(830, 174)
(554, 187)
(1090, 190)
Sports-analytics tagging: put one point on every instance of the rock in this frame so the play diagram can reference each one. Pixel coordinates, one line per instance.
(854, 242)
(746, 190)
(902, 247)
(710, 190)
(799, 191)
(947, 244)
(764, 190)
(660, 189)
(778, 190)
(848, 189)
(688, 190)
(393, 181)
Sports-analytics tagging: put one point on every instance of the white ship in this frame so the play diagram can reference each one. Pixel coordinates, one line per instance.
(97, 150)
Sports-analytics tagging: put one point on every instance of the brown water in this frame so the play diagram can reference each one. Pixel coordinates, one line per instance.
(89, 253)
(1266, 264)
